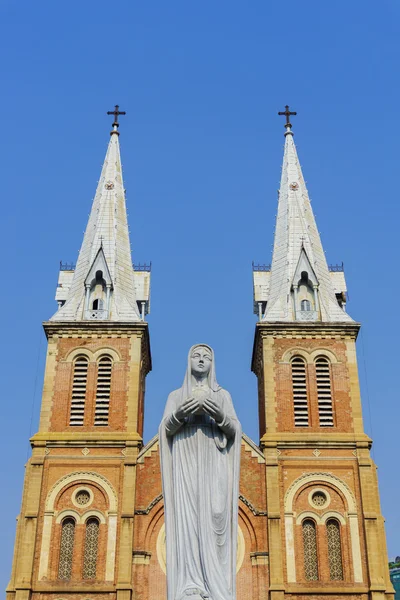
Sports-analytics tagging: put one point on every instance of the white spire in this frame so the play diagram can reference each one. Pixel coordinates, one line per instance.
(103, 282)
(300, 281)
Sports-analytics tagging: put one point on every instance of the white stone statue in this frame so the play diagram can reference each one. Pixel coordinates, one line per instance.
(200, 438)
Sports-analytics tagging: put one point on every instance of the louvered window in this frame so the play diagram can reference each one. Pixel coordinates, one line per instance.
(79, 391)
(324, 391)
(310, 550)
(104, 370)
(66, 548)
(300, 396)
(334, 550)
(91, 549)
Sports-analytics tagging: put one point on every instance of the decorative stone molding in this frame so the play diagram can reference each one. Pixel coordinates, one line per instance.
(333, 514)
(145, 511)
(148, 449)
(141, 557)
(255, 511)
(322, 491)
(82, 477)
(68, 512)
(250, 446)
(308, 356)
(334, 481)
(259, 558)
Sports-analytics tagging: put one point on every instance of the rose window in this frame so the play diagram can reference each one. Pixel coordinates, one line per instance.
(82, 497)
(318, 499)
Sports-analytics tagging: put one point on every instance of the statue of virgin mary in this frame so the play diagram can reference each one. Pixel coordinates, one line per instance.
(200, 438)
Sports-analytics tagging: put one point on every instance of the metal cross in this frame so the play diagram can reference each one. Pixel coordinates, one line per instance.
(116, 112)
(287, 114)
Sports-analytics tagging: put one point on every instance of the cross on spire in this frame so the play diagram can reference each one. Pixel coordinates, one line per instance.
(116, 112)
(287, 113)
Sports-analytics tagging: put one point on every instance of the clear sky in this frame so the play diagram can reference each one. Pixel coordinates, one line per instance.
(202, 83)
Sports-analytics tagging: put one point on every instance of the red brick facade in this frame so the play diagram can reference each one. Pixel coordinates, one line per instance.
(278, 479)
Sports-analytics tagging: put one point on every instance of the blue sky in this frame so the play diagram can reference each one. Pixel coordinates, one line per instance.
(202, 149)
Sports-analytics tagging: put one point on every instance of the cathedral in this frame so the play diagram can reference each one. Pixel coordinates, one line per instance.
(91, 524)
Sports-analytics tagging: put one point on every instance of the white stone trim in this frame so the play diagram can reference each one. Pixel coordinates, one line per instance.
(81, 489)
(86, 476)
(308, 514)
(309, 357)
(323, 491)
(333, 514)
(93, 513)
(289, 355)
(290, 555)
(83, 477)
(111, 545)
(45, 547)
(355, 548)
(106, 351)
(73, 354)
(328, 478)
(325, 353)
(68, 512)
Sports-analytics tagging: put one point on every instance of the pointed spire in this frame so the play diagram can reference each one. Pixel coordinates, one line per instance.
(300, 277)
(104, 276)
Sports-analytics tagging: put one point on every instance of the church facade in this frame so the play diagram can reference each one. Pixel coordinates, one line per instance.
(91, 525)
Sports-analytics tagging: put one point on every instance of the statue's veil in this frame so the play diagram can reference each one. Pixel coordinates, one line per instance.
(212, 378)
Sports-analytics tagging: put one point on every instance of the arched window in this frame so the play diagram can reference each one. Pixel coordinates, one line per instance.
(104, 371)
(300, 396)
(78, 391)
(310, 550)
(91, 549)
(334, 550)
(98, 304)
(306, 305)
(66, 548)
(324, 391)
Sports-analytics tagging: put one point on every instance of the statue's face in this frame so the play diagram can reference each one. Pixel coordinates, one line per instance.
(201, 361)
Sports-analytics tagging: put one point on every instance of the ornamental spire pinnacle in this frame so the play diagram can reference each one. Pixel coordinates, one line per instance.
(102, 286)
(116, 112)
(287, 113)
(301, 286)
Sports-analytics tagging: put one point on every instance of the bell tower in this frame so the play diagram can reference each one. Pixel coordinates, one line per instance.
(325, 528)
(75, 529)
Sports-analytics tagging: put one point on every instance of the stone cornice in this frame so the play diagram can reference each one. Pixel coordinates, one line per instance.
(297, 330)
(88, 329)
(312, 439)
(85, 438)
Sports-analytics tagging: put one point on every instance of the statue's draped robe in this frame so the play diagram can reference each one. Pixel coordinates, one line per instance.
(200, 464)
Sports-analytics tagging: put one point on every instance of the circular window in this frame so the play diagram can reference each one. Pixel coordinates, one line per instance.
(318, 499)
(82, 497)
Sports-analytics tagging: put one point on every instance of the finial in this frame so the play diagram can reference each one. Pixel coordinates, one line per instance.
(116, 112)
(287, 114)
